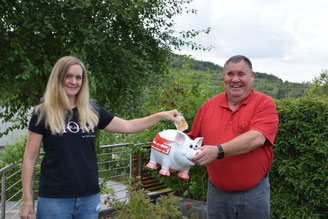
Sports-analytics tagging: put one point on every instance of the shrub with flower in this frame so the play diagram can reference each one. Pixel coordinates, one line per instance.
(190, 213)
(139, 206)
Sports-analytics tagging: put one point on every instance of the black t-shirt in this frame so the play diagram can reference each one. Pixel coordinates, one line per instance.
(69, 167)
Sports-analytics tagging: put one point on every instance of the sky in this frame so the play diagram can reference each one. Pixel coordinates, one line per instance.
(286, 38)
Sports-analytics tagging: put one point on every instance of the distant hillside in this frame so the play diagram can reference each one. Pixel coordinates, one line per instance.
(265, 83)
(180, 60)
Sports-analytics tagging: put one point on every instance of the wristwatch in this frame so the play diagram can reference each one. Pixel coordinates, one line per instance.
(221, 152)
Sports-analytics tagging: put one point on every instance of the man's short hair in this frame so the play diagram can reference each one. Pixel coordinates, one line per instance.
(236, 59)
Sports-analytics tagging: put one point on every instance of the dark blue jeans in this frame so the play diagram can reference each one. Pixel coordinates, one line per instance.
(86, 207)
(250, 204)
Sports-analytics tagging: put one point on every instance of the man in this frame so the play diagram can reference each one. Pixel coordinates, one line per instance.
(239, 128)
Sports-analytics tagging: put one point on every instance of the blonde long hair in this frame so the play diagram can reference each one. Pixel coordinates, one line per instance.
(55, 107)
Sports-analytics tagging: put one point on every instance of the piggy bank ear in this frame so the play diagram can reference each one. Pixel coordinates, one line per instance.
(180, 138)
(198, 141)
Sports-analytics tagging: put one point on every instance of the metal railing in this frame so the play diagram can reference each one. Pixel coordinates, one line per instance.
(4, 187)
(115, 165)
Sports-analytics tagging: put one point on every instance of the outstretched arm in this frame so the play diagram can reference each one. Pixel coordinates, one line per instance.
(118, 125)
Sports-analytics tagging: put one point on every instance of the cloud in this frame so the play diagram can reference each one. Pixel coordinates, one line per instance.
(254, 38)
(285, 38)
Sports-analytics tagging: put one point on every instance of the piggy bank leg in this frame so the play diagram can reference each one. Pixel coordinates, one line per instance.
(164, 172)
(184, 174)
(165, 167)
(152, 163)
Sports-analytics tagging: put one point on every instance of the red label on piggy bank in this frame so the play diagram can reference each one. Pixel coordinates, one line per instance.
(161, 144)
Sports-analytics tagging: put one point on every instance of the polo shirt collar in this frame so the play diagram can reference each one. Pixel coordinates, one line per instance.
(224, 103)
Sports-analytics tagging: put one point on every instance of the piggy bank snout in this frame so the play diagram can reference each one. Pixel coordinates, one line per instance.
(192, 153)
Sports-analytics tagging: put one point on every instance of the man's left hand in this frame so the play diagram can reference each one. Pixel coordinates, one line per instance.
(207, 155)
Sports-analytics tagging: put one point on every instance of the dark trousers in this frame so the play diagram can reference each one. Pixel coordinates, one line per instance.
(249, 204)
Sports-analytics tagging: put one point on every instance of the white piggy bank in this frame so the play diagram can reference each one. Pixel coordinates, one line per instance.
(172, 149)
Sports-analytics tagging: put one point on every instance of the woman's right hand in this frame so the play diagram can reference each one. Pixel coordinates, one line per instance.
(26, 210)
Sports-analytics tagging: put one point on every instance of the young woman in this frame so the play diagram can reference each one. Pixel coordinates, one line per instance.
(66, 123)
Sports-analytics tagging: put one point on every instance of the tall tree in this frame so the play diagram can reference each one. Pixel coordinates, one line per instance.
(123, 43)
(319, 86)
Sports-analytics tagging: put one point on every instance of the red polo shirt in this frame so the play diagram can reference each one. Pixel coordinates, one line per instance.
(218, 124)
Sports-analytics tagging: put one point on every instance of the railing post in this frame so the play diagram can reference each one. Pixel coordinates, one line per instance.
(3, 196)
(131, 166)
(139, 171)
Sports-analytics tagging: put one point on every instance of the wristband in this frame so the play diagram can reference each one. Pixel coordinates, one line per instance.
(221, 152)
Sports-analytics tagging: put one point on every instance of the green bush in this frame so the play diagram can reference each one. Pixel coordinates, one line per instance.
(299, 171)
(12, 154)
(184, 90)
(139, 206)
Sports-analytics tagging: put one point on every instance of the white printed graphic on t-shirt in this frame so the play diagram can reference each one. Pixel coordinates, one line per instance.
(73, 127)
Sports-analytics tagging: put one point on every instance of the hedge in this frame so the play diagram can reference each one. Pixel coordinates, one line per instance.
(299, 173)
